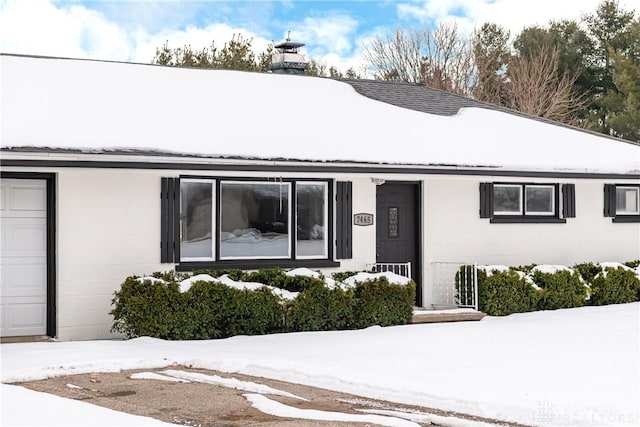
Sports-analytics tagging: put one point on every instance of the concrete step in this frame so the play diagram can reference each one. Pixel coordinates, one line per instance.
(453, 315)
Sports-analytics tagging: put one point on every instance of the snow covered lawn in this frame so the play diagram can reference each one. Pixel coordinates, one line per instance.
(566, 367)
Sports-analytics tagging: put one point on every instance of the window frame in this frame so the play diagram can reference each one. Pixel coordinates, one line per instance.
(521, 197)
(636, 189)
(525, 216)
(554, 206)
(610, 203)
(213, 222)
(218, 208)
(218, 262)
(325, 215)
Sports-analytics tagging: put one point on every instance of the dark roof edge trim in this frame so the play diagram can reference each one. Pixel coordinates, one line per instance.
(309, 168)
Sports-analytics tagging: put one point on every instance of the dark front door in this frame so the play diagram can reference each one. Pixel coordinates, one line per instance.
(398, 227)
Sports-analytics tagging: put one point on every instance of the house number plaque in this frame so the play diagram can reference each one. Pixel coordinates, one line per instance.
(363, 219)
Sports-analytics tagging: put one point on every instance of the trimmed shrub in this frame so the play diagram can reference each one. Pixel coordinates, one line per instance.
(561, 289)
(233, 273)
(254, 313)
(267, 276)
(378, 302)
(208, 310)
(505, 292)
(526, 269)
(301, 283)
(633, 264)
(615, 286)
(319, 308)
(340, 276)
(146, 307)
(587, 270)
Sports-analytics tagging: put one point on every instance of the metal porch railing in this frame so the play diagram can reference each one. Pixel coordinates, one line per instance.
(400, 268)
(454, 284)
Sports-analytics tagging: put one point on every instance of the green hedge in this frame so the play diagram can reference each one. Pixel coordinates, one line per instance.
(213, 310)
(505, 292)
(615, 286)
(561, 289)
(150, 308)
(378, 302)
(587, 270)
(319, 308)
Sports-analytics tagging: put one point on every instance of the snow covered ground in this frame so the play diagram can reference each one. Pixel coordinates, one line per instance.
(566, 367)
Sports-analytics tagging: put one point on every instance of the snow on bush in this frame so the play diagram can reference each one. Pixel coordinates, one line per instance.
(392, 278)
(215, 305)
(307, 272)
(186, 284)
(490, 269)
(616, 283)
(151, 279)
(551, 269)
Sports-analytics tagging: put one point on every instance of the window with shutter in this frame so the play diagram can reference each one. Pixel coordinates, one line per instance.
(511, 202)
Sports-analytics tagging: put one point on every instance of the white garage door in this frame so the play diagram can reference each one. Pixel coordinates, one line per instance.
(23, 250)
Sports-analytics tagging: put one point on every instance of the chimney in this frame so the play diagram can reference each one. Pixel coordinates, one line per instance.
(286, 59)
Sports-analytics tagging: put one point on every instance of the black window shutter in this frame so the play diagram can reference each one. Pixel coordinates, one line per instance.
(344, 230)
(568, 200)
(170, 220)
(609, 200)
(486, 200)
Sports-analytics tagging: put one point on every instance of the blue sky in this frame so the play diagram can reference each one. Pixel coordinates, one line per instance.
(335, 31)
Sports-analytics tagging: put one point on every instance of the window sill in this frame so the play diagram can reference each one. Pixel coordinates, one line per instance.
(626, 218)
(248, 264)
(527, 220)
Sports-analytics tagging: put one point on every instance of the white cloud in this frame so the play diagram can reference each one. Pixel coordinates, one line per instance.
(514, 15)
(329, 35)
(38, 27)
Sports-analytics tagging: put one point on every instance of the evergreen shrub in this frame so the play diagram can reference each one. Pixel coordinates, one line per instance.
(587, 270)
(505, 292)
(340, 276)
(378, 302)
(232, 273)
(561, 289)
(267, 276)
(319, 308)
(208, 310)
(146, 307)
(254, 312)
(300, 283)
(615, 286)
(526, 269)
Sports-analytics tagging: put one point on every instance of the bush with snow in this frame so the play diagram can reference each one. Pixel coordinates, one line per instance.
(505, 291)
(146, 307)
(560, 287)
(213, 305)
(615, 284)
(321, 308)
(381, 302)
(547, 287)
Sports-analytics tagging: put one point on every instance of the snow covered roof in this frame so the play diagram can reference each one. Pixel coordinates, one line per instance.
(53, 104)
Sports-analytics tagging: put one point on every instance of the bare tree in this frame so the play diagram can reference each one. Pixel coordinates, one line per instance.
(536, 87)
(396, 57)
(440, 58)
